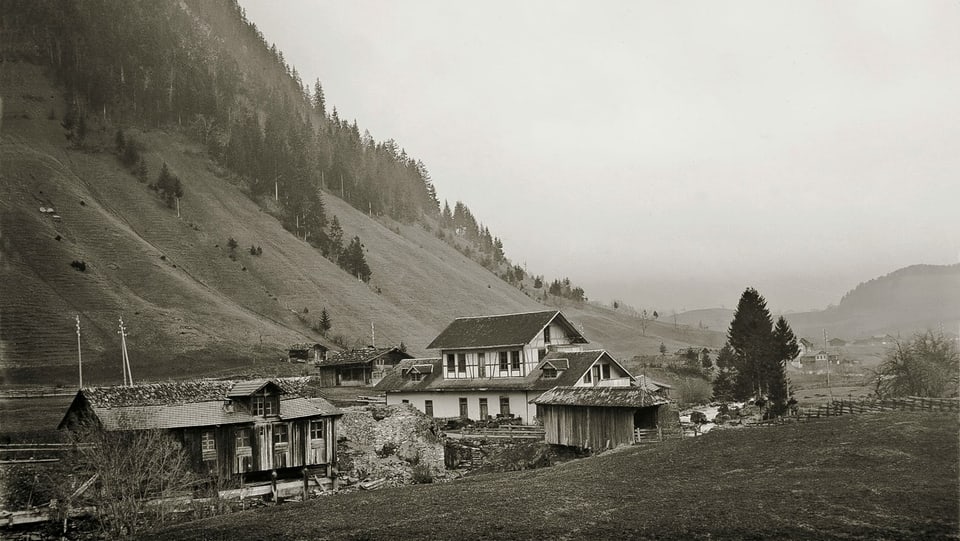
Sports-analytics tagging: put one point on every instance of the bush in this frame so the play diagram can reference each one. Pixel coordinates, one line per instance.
(79, 265)
(421, 474)
(695, 391)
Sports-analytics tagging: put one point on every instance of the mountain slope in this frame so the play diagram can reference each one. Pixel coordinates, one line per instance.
(190, 309)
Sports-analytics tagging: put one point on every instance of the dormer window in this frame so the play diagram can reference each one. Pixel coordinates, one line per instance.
(263, 406)
(416, 376)
(549, 372)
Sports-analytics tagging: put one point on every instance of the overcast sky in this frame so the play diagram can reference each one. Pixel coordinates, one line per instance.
(668, 154)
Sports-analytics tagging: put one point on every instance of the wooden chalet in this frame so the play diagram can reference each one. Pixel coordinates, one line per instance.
(426, 384)
(301, 353)
(599, 417)
(358, 367)
(233, 427)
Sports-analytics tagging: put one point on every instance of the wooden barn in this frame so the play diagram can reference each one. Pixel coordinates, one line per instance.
(233, 427)
(301, 353)
(359, 367)
(598, 417)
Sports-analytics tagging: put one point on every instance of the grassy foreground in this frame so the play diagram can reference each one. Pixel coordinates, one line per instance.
(882, 476)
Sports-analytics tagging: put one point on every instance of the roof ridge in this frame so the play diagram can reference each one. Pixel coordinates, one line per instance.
(509, 314)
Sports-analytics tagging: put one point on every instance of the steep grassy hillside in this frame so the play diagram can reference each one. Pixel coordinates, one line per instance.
(889, 476)
(189, 307)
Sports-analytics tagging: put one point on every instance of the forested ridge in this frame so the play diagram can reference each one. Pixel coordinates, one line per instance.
(201, 67)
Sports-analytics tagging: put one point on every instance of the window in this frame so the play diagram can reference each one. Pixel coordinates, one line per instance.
(464, 412)
(405, 401)
(606, 371)
(514, 360)
(505, 406)
(462, 363)
(242, 437)
(262, 406)
(428, 407)
(596, 372)
(208, 445)
(541, 353)
(546, 334)
(481, 365)
(316, 430)
(451, 363)
(280, 436)
(549, 372)
(504, 363)
(416, 376)
(483, 409)
(587, 378)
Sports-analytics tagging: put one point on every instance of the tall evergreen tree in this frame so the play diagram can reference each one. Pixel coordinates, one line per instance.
(751, 337)
(354, 262)
(723, 383)
(325, 322)
(785, 349)
(319, 102)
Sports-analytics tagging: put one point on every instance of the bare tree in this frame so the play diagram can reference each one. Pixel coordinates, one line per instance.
(644, 321)
(129, 469)
(927, 365)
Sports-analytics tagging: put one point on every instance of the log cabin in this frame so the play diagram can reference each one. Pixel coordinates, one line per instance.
(253, 428)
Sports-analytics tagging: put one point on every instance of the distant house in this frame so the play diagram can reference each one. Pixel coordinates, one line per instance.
(598, 417)
(816, 363)
(806, 346)
(233, 427)
(302, 353)
(357, 367)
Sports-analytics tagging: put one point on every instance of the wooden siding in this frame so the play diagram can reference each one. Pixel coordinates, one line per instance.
(590, 427)
(447, 404)
(264, 455)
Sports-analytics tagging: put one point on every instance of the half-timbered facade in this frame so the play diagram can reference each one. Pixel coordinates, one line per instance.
(232, 427)
(422, 383)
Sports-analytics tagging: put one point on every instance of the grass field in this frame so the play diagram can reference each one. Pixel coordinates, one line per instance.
(885, 476)
(31, 419)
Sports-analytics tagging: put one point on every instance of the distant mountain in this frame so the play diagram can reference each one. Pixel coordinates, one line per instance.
(906, 301)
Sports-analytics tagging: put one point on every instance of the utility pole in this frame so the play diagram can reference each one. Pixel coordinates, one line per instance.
(127, 374)
(79, 356)
(827, 352)
(341, 185)
(373, 336)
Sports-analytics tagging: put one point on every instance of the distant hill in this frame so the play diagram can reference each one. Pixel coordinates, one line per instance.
(80, 235)
(908, 300)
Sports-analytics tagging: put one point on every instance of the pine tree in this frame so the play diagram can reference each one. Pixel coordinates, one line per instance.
(336, 240)
(723, 384)
(325, 323)
(785, 349)
(354, 262)
(751, 337)
(319, 102)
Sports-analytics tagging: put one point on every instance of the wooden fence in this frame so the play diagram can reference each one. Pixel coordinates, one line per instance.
(502, 433)
(850, 407)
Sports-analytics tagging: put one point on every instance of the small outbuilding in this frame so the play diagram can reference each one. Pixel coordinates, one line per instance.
(599, 417)
(301, 353)
(359, 367)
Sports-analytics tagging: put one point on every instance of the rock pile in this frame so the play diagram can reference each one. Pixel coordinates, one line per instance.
(396, 443)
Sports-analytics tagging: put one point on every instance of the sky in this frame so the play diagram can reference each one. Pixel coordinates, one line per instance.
(664, 154)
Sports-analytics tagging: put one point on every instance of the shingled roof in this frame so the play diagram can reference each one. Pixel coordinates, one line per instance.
(577, 362)
(179, 404)
(607, 397)
(502, 330)
(359, 356)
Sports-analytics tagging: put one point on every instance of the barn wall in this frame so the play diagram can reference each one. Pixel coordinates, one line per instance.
(328, 376)
(591, 427)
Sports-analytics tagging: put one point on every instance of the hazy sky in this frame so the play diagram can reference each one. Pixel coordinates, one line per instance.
(669, 154)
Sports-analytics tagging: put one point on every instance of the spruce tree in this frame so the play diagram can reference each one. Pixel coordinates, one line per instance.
(785, 349)
(751, 337)
(354, 262)
(325, 323)
(319, 102)
(723, 384)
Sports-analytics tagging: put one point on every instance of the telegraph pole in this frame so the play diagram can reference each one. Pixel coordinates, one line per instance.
(79, 356)
(127, 374)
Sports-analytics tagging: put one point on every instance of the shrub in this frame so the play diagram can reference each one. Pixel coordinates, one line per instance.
(695, 391)
(79, 265)
(421, 474)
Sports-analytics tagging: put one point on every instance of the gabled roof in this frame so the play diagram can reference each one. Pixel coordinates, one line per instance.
(608, 397)
(306, 347)
(578, 363)
(180, 404)
(361, 356)
(650, 385)
(503, 330)
(247, 388)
